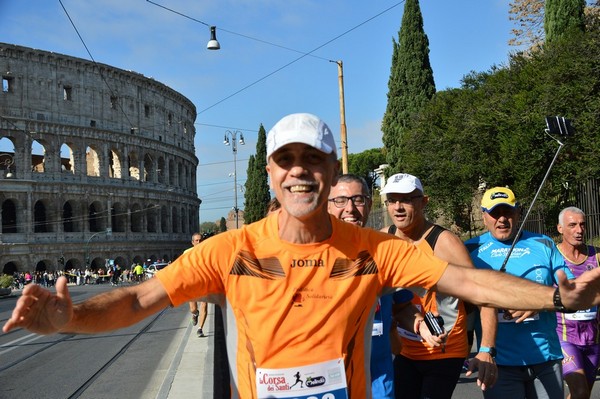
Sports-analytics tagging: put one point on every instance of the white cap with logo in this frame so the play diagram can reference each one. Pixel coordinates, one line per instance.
(300, 128)
(402, 183)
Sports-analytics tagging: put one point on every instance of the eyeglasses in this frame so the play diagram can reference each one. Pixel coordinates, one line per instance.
(357, 200)
(403, 200)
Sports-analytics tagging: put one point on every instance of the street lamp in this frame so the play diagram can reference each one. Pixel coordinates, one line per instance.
(233, 143)
(108, 232)
(7, 161)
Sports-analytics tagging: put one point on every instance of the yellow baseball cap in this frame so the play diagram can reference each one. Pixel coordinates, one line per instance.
(498, 196)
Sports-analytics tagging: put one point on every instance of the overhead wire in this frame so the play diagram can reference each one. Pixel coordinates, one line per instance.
(118, 103)
(304, 54)
(234, 33)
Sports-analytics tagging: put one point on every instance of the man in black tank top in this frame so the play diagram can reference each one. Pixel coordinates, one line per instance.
(429, 366)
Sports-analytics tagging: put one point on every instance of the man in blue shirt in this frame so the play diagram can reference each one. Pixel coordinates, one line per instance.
(528, 351)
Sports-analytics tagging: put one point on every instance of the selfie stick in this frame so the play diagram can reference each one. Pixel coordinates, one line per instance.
(560, 146)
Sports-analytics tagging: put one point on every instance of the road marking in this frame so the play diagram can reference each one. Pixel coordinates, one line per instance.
(12, 345)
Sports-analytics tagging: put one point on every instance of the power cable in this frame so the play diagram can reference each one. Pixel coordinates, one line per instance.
(118, 103)
(235, 33)
(304, 54)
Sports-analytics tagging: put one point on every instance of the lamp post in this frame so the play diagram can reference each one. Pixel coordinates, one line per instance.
(233, 142)
(87, 245)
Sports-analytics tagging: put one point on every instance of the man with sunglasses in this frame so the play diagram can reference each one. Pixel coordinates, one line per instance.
(529, 353)
(430, 366)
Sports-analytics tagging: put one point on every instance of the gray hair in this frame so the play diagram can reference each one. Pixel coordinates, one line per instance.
(352, 178)
(574, 209)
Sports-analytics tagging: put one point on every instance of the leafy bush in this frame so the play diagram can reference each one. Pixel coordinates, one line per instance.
(6, 281)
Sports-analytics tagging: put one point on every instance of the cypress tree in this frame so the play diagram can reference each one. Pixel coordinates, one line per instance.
(249, 192)
(563, 17)
(257, 196)
(411, 83)
(222, 225)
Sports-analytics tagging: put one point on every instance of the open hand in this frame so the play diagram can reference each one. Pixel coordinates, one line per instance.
(41, 311)
(582, 292)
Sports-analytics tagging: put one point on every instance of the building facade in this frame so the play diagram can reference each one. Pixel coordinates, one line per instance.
(96, 163)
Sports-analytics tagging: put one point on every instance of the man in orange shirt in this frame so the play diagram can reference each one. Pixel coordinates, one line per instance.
(431, 369)
(296, 287)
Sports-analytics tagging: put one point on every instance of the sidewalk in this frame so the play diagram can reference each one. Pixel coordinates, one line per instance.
(191, 373)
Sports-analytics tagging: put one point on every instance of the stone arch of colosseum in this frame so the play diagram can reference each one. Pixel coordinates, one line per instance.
(96, 164)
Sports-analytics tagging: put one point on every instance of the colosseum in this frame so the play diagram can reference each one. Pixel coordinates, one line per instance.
(97, 165)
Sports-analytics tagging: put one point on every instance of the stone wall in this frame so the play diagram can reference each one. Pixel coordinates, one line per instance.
(97, 163)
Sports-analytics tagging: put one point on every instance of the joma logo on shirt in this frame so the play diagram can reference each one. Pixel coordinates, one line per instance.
(307, 263)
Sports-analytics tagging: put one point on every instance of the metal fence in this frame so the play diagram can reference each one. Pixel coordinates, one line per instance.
(377, 218)
(587, 198)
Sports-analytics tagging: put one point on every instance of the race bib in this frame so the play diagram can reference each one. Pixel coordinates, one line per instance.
(326, 380)
(408, 334)
(377, 329)
(583, 315)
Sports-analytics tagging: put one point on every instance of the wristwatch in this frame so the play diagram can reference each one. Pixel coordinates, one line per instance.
(491, 350)
(558, 305)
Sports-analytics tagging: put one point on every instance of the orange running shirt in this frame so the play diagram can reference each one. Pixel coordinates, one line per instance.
(454, 314)
(291, 305)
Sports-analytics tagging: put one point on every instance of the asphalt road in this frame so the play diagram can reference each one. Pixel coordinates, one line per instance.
(467, 388)
(128, 363)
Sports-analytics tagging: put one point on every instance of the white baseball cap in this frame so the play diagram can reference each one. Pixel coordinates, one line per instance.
(402, 183)
(300, 128)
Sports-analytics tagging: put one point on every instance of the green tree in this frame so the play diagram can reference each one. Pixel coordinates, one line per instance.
(249, 191)
(364, 163)
(208, 227)
(563, 17)
(256, 194)
(222, 225)
(529, 17)
(491, 131)
(411, 83)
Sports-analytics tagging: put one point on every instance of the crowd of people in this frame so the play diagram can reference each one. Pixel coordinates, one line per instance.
(318, 305)
(43, 278)
(112, 274)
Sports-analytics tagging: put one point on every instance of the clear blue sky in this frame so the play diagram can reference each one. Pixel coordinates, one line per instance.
(464, 36)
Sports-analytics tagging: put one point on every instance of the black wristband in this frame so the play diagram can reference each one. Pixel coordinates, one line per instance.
(558, 305)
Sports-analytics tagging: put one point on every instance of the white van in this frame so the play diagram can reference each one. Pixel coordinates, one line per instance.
(153, 268)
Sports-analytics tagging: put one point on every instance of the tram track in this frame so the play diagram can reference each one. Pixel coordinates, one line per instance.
(14, 345)
(83, 387)
(129, 362)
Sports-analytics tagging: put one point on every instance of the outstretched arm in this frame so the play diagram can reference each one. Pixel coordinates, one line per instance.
(450, 248)
(40, 311)
(502, 290)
